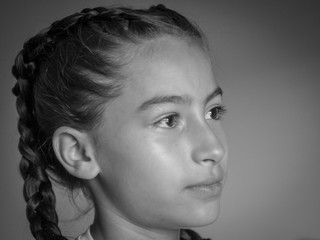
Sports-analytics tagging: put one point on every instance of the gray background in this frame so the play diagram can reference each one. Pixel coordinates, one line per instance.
(267, 56)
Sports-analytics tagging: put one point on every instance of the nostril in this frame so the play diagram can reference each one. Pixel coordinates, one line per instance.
(210, 160)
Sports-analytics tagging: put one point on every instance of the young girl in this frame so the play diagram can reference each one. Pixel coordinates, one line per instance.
(122, 104)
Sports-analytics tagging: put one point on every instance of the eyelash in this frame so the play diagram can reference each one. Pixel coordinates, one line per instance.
(220, 110)
(173, 119)
(165, 120)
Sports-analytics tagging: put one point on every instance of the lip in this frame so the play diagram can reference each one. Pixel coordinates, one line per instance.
(209, 188)
(208, 181)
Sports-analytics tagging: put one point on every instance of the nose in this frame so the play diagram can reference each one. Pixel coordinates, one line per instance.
(208, 143)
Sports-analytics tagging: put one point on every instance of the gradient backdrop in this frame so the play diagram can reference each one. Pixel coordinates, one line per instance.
(267, 60)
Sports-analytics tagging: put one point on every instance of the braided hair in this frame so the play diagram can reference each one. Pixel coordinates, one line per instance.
(64, 76)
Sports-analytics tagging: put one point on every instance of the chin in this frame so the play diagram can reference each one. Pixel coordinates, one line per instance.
(204, 215)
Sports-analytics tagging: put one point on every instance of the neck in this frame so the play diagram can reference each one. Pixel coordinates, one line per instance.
(111, 226)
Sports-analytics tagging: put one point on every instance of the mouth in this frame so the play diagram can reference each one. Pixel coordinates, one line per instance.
(209, 188)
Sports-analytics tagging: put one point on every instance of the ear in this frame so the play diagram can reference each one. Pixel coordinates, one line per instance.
(76, 152)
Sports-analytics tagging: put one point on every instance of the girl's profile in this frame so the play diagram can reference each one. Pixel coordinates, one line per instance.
(122, 104)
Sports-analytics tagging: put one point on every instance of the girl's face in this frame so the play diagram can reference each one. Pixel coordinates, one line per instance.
(160, 146)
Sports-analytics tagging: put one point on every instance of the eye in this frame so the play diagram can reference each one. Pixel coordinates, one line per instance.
(216, 113)
(170, 121)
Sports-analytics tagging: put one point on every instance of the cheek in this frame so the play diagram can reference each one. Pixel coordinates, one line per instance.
(147, 174)
(155, 158)
(144, 161)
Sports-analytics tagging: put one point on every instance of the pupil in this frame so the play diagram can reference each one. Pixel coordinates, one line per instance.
(213, 113)
(170, 121)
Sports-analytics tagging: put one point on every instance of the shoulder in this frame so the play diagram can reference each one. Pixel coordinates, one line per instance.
(188, 234)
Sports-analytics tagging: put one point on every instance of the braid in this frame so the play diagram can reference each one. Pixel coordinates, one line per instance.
(37, 189)
(58, 84)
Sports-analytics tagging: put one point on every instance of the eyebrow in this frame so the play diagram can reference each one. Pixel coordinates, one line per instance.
(218, 91)
(176, 99)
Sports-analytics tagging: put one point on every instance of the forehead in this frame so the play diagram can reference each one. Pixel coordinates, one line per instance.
(171, 66)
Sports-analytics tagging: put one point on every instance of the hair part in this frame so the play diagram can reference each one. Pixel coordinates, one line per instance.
(65, 74)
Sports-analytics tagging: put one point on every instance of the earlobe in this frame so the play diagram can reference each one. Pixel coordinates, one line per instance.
(75, 151)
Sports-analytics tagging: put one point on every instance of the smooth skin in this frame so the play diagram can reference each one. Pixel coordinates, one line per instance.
(161, 136)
